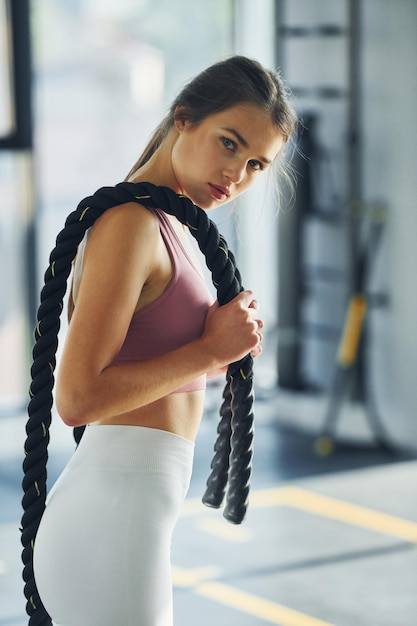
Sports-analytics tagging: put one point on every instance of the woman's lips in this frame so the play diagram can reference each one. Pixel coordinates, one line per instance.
(219, 192)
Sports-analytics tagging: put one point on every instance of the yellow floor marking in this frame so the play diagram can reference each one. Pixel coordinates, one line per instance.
(338, 510)
(221, 528)
(193, 577)
(324, 506)
(3, 567)
(258, 607)
(194, 506)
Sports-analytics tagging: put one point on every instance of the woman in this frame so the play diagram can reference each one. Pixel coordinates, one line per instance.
(143, 336)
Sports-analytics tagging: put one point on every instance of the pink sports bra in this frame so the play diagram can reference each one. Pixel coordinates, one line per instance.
(175, 318)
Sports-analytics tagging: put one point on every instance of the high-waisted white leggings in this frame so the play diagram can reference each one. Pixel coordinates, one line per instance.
(102, 551)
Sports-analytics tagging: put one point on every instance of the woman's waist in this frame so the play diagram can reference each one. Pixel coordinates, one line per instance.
(177, 413)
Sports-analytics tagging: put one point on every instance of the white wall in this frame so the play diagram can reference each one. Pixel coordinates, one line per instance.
(256, 212)
(390, 174)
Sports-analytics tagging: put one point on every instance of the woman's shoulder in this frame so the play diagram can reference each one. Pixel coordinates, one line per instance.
(128, 224)
(128, 214)
(123, 235)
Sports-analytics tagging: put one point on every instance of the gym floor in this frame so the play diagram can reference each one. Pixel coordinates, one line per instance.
(328, 540)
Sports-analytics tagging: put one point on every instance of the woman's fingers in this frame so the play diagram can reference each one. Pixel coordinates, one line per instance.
(234, 329)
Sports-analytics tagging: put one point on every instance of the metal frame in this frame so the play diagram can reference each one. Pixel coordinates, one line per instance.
(21, 135)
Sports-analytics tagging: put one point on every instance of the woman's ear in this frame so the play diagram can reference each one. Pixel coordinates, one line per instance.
(181, 120)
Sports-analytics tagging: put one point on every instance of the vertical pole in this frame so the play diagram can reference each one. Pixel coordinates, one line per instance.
(355, 54)
(354, 175)
(20, 141)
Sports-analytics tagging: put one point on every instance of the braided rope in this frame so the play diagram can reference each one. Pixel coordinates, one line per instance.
(231, 463)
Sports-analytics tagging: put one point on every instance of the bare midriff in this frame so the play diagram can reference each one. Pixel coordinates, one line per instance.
(178, 413)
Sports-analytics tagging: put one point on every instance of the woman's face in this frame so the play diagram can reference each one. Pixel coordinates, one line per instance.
(221, 157)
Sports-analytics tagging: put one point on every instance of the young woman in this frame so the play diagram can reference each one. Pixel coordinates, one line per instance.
(143, 336)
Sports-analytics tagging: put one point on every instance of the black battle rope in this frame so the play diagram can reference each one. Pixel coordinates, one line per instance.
(231, 465)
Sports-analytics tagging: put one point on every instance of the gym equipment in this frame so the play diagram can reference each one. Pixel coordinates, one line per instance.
(231, 465)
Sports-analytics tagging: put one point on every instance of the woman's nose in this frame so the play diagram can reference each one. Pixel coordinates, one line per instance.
(236, 172)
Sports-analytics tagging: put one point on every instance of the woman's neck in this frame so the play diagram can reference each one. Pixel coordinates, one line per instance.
(158, 170)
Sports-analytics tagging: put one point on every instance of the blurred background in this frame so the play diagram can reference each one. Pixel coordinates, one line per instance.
(82, 85)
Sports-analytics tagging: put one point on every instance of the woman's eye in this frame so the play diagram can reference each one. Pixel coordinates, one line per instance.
(256, 165)
(229, 143)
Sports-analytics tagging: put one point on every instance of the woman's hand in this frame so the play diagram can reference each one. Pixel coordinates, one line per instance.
(233, 330)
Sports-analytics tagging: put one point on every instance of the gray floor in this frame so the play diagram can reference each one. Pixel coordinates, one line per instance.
(328, 540)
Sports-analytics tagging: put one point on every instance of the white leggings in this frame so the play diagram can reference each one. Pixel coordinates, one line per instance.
(102, 552)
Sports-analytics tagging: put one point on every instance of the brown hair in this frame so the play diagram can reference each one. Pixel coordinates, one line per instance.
(221, 86)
